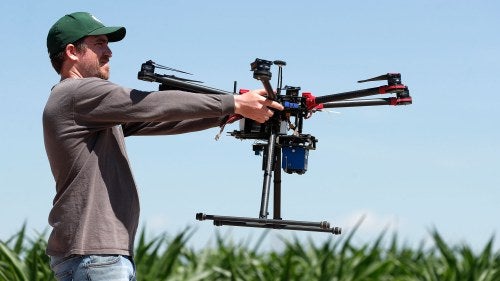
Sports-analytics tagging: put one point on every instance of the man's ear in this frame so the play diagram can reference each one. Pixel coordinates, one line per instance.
(71, 52)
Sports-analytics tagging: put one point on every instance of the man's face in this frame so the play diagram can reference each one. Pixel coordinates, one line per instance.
(94, 60)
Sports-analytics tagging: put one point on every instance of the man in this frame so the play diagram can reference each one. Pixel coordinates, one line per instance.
(96, 208)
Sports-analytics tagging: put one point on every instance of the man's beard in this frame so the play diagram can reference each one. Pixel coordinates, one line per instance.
(94, 70)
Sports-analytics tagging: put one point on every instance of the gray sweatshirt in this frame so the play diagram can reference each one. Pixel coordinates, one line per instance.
(96, 206)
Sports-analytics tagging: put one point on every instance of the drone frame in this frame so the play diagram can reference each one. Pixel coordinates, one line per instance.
(275, 139)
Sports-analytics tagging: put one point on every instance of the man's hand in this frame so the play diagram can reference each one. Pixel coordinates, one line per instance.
(255, 106)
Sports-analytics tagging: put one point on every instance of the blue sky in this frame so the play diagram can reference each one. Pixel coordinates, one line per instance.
(433, 164)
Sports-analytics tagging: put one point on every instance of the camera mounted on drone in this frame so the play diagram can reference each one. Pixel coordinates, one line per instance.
(280, 140)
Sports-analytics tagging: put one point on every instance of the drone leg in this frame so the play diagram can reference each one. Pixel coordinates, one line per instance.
(322, 226)
(264, 203)
(277, 186)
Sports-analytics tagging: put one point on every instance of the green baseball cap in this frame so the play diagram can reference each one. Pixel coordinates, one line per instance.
(75, 26)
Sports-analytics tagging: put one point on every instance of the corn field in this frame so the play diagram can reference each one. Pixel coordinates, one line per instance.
(169, 258)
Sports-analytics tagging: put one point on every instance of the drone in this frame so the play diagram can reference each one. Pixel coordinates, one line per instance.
(280, 140)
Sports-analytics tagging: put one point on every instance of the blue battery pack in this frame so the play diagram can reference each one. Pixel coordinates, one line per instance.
(294, 159)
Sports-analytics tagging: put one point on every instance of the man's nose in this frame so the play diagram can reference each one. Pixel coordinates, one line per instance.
(108, 51)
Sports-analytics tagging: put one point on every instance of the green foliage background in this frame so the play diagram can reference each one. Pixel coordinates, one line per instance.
(169, 258)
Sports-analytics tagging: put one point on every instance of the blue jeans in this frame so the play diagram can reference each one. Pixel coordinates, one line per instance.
(93, 268)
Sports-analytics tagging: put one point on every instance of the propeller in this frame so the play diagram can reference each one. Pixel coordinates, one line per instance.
(150, 62)
(392, 79)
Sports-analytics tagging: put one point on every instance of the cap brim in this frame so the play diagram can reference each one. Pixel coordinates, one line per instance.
(114, 33)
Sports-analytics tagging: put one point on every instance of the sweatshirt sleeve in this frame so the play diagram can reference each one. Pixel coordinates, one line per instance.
(100, 103)
(170, 127)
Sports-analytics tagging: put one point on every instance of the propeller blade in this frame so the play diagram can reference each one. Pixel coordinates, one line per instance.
(393, 78)
(167, 68)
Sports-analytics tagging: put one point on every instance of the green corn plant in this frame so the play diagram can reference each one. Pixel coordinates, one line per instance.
(19, 261)
(165, 257)
(11, 267)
